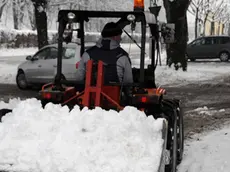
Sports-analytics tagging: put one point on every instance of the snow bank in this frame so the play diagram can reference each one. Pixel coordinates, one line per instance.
(196, 73)
(209, 154)
(18, 51)
(12, 103)
(54, 139)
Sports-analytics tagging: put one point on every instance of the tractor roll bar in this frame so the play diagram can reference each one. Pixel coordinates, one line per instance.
(83, 16)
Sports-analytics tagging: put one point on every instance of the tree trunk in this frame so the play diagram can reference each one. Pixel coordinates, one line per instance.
(1, 10)
(32, 20)
(196, 22)
(176, 13)
(205, 20)
(223, 30)
(41, 22)
(218, 31)
(21, 12)
(15, 14)
(213, 27)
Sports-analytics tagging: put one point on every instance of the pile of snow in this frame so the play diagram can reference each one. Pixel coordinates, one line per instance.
(208, 154)
(54, 139)
(11, 104)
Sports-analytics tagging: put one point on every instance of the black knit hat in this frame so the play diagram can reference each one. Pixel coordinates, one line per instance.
(111, 29)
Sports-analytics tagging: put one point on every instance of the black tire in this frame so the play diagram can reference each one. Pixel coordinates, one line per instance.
(180, 135)
(192, 59)
(21, 80)
(224, 56)
(174, 148)
(170, 111)
(180, 129)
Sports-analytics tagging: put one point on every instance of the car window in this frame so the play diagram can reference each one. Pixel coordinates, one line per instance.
(69, 53)
(224, 40)
(198, 42)
(216, 40)
(53, 53)
(208, 41)
(41, 55)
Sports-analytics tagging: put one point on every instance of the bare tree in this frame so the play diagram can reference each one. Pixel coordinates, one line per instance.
(215, 9)
(201, 9)
(19, 10)
(2, 6)
(22, 7)
(31, 14)
(196, 8)
(99, 5)
(15, 13)
(225, 18)
(221, 15)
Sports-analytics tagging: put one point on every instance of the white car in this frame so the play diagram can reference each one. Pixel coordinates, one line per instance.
(41, 68)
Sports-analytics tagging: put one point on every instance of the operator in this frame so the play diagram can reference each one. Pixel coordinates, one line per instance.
(108, 50)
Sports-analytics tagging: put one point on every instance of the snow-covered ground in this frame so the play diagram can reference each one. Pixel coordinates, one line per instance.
(54, 139)
(197, 72)
(7, 73)
(208, 152)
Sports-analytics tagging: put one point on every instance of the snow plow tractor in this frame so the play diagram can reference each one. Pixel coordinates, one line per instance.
(142, 94)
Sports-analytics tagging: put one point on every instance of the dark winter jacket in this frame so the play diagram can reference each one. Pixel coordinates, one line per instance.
(109, 51)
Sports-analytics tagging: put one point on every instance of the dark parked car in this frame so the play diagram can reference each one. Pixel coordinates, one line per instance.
(209, 47)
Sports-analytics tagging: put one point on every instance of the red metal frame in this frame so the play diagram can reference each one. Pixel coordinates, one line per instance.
(97, 92)
(99, 95)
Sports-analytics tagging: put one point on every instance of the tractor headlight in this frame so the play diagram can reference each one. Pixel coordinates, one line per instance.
(71, 16)
(131, 17)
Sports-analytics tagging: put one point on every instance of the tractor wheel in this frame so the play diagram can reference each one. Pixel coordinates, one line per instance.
(180, 135)
(170, 112)
(173, 150)
(180, 129)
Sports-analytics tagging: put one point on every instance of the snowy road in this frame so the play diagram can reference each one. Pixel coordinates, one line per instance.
(9, 91)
